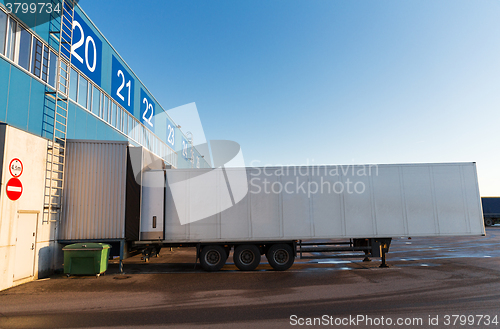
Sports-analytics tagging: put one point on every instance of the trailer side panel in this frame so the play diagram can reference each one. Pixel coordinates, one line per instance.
(324, 202)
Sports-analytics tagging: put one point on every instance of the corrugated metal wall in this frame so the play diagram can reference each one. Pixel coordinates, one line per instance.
(94, 190)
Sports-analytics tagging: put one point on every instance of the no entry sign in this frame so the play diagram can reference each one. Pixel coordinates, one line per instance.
(14, 189)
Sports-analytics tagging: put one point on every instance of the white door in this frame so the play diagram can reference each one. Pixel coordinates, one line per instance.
(24, 262)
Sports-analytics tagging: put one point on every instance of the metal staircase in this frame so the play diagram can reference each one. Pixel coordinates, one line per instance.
(57, 121)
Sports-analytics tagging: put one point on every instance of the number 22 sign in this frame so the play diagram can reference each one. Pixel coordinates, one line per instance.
(147, 110)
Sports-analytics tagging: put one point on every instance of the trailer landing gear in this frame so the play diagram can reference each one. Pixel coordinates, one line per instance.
(383, 264)
(384, 248)
(367, 258)
(150, 252)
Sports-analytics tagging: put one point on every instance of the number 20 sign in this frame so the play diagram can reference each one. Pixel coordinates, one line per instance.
(86, 50)
(147, 110)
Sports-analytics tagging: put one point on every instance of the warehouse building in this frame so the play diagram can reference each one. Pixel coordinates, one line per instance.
(62, 83)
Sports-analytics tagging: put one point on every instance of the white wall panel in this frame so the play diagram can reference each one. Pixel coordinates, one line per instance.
(296, 206)
(31, 150)
(265, 208)
(358, 206)
(449, 194)
(388, 202)
(327, 208)
(419, 200)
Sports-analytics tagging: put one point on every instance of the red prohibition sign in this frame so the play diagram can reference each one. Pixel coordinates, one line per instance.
(16, 167)
(14, 189)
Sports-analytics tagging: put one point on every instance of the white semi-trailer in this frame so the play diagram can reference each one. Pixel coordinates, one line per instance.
(271, 211)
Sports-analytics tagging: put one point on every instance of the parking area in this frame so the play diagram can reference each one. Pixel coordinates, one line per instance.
(431, 279)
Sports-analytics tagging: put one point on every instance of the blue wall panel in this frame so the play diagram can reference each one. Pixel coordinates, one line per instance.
(27, 18)
(71, 121)
(91, 126)
(4, 91)
(36, 109)
(116, 136)
(161, 127)
(43, 29)
(80, 123)
(101, 129)
(19, 100)
(47, 117)
(105, 132)
(84, 125)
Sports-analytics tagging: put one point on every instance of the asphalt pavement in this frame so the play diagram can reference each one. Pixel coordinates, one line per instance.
(445, 282)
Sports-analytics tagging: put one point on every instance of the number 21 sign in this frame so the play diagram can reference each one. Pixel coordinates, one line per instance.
(122, 86)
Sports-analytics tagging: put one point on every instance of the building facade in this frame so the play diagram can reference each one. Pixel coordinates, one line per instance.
(60, 79)
(107, 101)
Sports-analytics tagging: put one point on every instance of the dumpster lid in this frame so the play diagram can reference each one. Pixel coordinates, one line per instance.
(87, 246)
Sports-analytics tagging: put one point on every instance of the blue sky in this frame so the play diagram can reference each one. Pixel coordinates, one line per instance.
(324, 81)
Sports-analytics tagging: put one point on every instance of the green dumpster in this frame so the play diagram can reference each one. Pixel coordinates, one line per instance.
(86, 258)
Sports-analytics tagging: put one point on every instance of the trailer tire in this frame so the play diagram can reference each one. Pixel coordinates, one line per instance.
(488, 221)
(246, 257)
(280, 256)
(213, 258)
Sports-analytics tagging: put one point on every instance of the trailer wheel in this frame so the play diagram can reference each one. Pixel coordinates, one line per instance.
(488, 221)
(246, 257)
(212, 258)
(280, 257)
